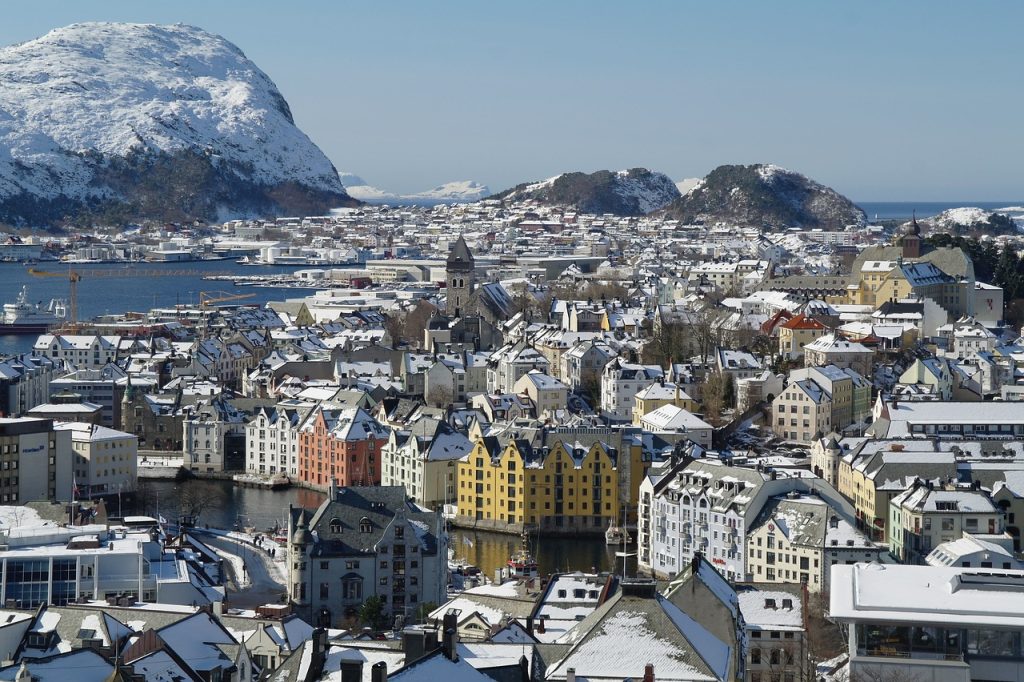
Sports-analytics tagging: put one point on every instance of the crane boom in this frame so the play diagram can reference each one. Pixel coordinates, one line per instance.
(74, 276)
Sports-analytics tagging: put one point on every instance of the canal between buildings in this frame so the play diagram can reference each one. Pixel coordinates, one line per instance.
(226, 505)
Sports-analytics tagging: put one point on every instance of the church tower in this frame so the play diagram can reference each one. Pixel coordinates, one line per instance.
(459, 275)
(912, 240)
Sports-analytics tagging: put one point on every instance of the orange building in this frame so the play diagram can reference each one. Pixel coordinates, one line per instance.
(343, 443)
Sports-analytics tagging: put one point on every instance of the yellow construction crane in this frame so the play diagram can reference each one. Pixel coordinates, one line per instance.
(208, 298)
(75, 276)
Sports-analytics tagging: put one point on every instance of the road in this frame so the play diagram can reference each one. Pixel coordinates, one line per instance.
(263, 587)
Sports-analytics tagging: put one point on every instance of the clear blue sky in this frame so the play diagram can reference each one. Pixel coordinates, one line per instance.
(881, 100)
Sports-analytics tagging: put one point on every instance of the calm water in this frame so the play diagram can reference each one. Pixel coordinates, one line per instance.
(898, 210)
(262, 509)
(101, 295)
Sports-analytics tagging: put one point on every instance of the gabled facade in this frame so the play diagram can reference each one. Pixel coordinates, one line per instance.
(558, 488)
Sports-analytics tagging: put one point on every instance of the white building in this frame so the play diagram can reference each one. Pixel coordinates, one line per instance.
(105, 460)
(78, 351)
(798, 536)
(49, 564)
(620, 382)
(214, 436)
(424, 460)
(675, 420)
(363, 541)
(272, 440)
(976, 551)
(930, 622)
(707, 506)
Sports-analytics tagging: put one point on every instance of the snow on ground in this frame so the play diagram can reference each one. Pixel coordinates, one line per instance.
(20, 517)
(687, 184)
(237, 566)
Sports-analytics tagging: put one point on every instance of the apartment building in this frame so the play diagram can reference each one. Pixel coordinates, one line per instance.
(424, 460)
(819, 400)
(659, 394)
(556, 485)
(872, 472)
(24, 383)
(797, 332)
(78, 351)
(798, 536)
(706, 506)
(925, 515)
(340, 443)
(105, 461)
(272, 439)
(832, 349)
(365, 541)
(36, 461)
(620, 382)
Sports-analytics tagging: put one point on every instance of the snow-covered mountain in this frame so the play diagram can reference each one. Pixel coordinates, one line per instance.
(969, 219)
(123, 119)
(458, 192)
(764, 196)
(636, 191)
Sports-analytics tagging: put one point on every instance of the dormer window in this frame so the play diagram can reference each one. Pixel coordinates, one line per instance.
(365, 526)
(335, 525)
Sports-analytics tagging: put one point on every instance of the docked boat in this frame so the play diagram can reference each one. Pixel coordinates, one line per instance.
(521, 564)
(22, 317)
(617, 535)
(273, 481)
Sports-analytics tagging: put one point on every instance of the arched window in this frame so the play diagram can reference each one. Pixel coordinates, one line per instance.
(703, 503)
(335, 525)
(365, 526)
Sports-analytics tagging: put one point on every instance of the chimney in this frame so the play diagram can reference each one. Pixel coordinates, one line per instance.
(379, 672)
(352, 671)
(570, 675)
(450, 623)
(649, 672)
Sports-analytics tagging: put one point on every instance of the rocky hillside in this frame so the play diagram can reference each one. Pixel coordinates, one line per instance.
(971, 220)
(632, 192)
(118, 122)
(764, 196)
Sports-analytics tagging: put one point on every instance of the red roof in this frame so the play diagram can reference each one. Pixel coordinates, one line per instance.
(801, 321)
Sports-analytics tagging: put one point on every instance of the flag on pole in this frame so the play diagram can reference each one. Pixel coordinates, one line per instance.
(161, 519)
(74, 487)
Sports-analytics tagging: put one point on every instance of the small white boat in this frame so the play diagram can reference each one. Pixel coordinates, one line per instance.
(617, 535)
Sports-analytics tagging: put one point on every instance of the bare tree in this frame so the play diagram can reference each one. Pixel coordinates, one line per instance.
(196, 498)
(825, 639)
(440, 396)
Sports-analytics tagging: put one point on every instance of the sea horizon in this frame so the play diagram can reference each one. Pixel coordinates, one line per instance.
(896, 210)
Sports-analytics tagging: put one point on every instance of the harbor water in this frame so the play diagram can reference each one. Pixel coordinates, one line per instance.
(225, 505)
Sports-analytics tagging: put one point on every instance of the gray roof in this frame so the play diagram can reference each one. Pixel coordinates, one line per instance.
(383, 507)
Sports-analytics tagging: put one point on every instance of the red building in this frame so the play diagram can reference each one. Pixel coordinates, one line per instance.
(341, 442)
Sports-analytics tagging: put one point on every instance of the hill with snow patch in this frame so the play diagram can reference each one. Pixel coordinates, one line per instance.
(764, 196)
(632, 192)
